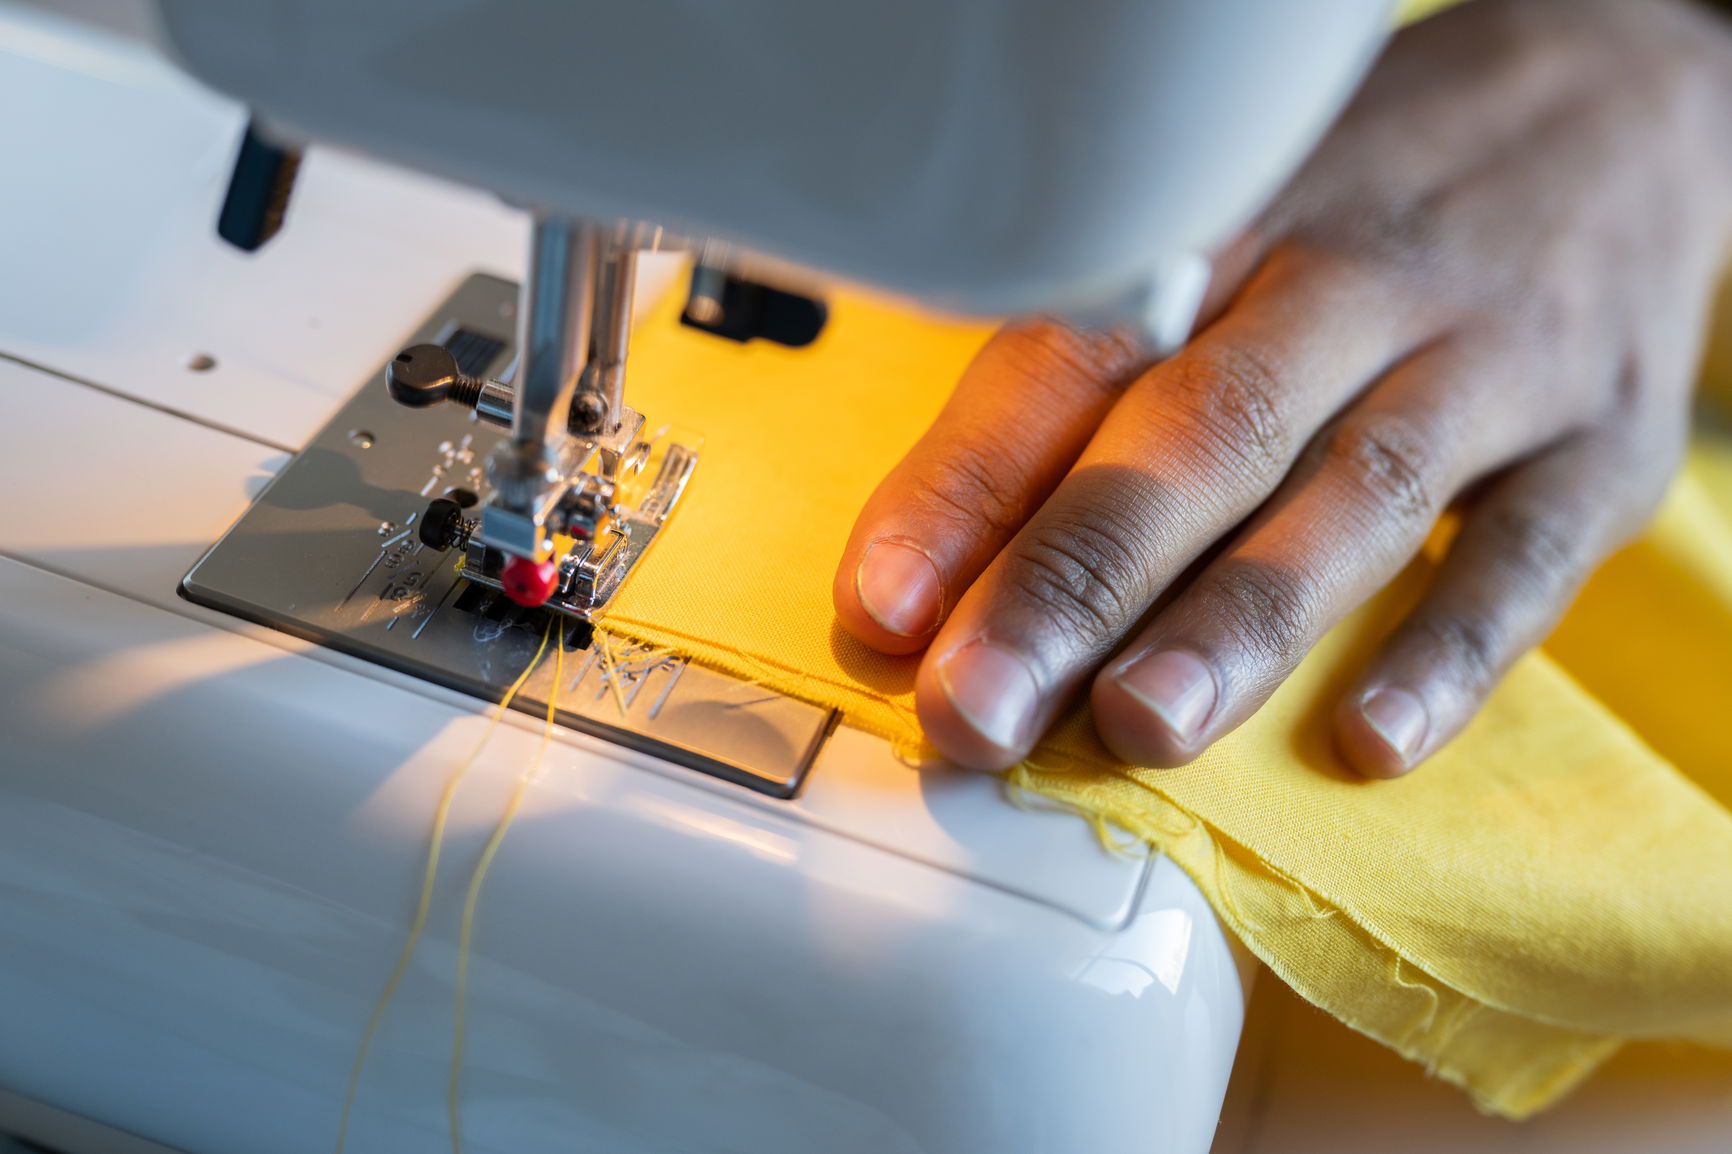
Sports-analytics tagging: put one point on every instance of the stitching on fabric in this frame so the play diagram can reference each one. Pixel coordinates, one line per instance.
(770, 675)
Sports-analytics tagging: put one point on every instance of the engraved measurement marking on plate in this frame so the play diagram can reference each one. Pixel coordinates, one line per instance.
(633, 668)
(456, 466)
(392, 547)
(403, 581)
(334, 554)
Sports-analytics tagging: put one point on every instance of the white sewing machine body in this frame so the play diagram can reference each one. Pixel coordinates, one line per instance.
(986, 156)
(211, 833)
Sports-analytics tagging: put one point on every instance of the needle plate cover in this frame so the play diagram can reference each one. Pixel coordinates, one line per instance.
(330, 552)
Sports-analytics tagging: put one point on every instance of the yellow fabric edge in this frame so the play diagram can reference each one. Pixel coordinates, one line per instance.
(1448, 1032)
(1444, 1029)
(774, 676)
(1510, 1063)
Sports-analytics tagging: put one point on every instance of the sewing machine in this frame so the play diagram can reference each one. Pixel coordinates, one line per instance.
(223, 737)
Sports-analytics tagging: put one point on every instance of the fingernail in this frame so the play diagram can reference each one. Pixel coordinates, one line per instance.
(898, 587)
(1176, 686)
(993, 691)
(1399, 718)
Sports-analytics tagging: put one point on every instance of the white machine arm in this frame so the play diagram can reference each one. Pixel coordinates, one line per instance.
(982, 155)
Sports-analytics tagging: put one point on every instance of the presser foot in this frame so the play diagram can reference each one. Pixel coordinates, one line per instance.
(604, 528)
(556, 533)
(370, 541)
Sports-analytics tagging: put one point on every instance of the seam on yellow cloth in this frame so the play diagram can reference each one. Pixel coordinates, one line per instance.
(775, 676)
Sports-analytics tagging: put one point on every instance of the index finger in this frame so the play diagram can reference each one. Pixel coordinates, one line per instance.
(1192, 448)
(1024, 409)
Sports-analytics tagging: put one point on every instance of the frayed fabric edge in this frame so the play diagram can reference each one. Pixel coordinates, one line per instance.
(1454, 1036)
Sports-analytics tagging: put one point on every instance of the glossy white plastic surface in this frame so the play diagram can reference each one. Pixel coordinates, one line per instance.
(988, 155)
(116, 166)
(207, 872)
(210, 834)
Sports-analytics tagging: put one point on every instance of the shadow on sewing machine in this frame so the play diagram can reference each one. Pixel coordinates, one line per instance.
(334, 479)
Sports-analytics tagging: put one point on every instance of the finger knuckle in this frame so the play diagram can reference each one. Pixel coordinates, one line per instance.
(1644, 457)
(1232, 394)
(1657, 458)
(1399, 239)
(1271, 609)
(1539, 546)
(1083, 573)
(1473, 646)
(1551, 317)
(969, 484)
(1627, 390)
(1391, 462)
(1053, 354)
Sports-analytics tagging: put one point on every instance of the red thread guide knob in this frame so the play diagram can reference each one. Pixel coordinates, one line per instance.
(529, 582)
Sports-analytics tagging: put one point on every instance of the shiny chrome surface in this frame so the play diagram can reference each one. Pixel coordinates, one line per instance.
(600, 403)
(553, 333)
(330, 552)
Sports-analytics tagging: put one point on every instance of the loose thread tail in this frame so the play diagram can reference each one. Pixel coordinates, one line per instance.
(1020, 791)
(466, 934)
(425, 901)
(610, 670)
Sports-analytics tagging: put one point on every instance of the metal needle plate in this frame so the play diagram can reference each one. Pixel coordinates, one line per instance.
(329, 552)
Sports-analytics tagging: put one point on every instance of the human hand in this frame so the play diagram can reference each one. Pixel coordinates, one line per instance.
(1487, 286)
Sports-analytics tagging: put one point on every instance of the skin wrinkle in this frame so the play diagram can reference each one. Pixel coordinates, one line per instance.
(1392, 461)
(1539, 542)
(966, 486)
(1210, 496)
(1052, 585)
(1108, 358)
(1054, 360)
(1270, 606)
(1471, 646)
(1085, 573)
(1233, 395)
(1518, 206)
(1086, 570)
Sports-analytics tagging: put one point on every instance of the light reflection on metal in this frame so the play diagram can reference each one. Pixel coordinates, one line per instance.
(332, 551)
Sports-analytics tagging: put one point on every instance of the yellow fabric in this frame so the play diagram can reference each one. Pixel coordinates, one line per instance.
(1413, 11)
(1547, 885)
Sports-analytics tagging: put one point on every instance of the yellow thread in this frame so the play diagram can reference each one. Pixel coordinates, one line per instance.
(611, 663)
(1021, 790)
(426, 899)
(610, 671)
(1428, 995)
(780, 678)
(466, 934)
